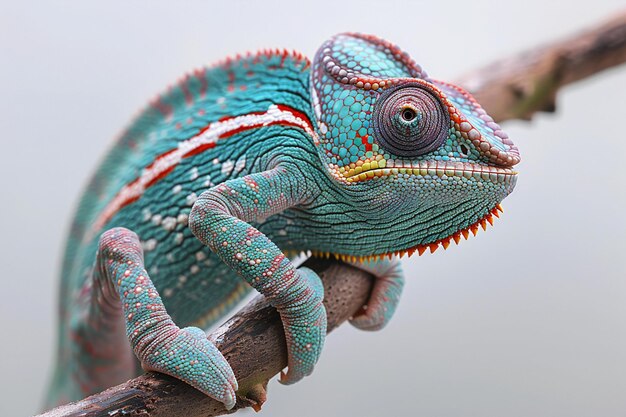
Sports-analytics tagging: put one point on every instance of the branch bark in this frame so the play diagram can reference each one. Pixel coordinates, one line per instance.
(253, 341)
(519, 86)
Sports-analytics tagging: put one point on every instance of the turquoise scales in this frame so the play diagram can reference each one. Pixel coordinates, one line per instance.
(361, 155)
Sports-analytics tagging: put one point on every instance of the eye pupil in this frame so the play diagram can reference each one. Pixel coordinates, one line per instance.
(408, 114)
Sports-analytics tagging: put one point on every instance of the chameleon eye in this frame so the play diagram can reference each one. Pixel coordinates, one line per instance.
(409, 121)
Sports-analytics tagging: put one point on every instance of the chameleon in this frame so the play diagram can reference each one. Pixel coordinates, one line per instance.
(238, 167)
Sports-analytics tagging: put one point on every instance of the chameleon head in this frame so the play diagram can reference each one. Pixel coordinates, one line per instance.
(414, 152)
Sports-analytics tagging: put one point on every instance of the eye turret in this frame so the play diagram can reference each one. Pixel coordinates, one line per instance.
(409, 120)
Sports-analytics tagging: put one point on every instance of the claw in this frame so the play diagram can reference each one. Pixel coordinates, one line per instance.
(288, 378)
(257, 396)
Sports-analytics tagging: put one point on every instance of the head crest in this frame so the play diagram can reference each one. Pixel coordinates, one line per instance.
(365, 61)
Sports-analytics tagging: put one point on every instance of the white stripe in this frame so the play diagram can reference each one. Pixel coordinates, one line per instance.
(210, 135)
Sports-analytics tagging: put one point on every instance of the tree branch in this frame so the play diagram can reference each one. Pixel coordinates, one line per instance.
(253, 341)
(526, 83)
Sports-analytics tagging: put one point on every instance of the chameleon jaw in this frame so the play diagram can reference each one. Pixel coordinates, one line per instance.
(420, 249)
(434, 169)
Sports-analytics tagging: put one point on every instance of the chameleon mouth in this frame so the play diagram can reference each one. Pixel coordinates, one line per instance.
(421, 249)
(467, 170)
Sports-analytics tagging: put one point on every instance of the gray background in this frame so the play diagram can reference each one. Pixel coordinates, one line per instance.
(527, 319)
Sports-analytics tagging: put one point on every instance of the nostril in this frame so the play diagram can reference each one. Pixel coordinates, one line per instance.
(464, 150)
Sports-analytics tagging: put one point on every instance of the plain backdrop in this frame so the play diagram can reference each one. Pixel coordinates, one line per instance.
(526, 319)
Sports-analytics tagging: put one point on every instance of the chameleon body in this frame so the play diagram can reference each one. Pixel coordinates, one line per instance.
(359, 154)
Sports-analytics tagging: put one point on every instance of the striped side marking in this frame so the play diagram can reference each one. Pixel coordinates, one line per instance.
(206, 139)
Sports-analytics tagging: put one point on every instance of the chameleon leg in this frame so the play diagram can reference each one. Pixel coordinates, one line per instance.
(219, 219)
(385, 294)
(158, 343)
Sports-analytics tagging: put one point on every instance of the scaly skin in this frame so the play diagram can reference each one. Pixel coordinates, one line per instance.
(362, 156)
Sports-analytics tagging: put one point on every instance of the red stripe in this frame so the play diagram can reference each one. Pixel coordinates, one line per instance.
(239, 130)
(163, 155)
(199, 149)
(160, 176)
(296, 113)
(130, 200)
(221, 119)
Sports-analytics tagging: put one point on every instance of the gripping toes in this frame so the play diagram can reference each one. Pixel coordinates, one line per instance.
(304, 321)
(158, 343)
(385, 294)
(187, 355)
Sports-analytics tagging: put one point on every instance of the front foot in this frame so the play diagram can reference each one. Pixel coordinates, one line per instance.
(304, 321)
(188, 355)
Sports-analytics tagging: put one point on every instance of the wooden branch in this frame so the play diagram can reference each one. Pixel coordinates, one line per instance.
(519, 86)
(253, 341)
